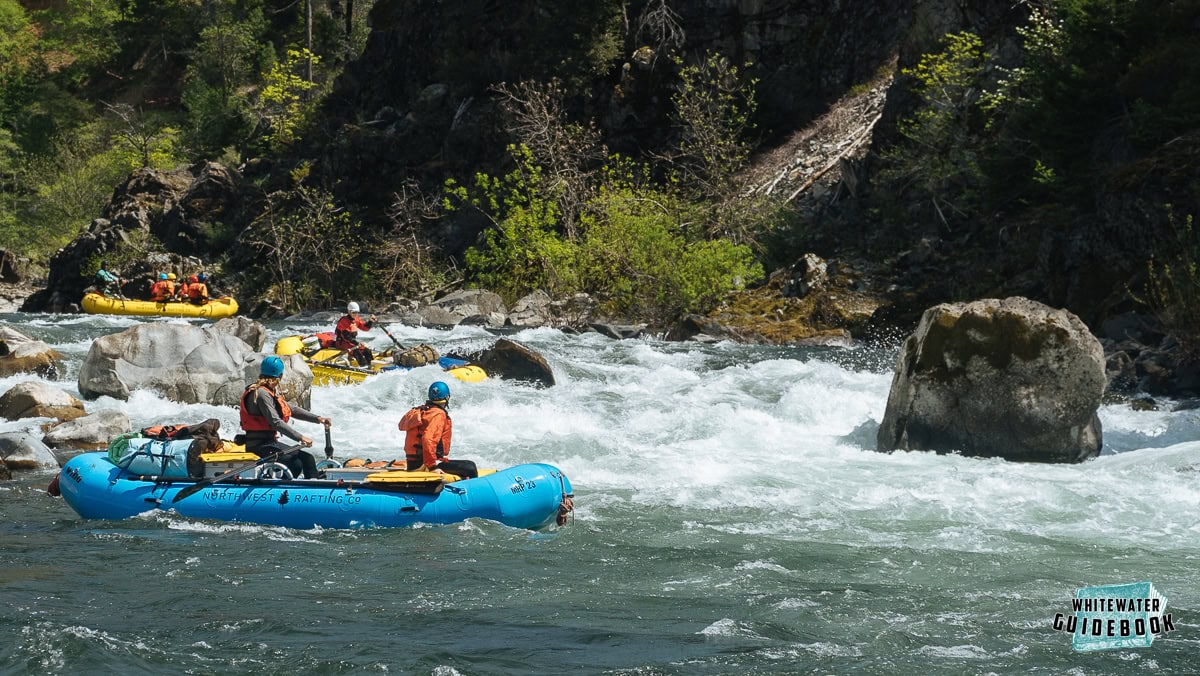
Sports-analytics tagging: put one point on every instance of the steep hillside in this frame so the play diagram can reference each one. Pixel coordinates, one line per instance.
(419, 103)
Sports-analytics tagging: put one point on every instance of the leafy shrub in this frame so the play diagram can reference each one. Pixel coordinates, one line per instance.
(636, 258)
(522, 250)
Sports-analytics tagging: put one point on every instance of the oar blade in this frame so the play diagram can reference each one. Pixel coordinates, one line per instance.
(191, 490)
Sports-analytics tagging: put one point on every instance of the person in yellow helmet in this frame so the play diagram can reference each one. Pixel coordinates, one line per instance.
(174, 286)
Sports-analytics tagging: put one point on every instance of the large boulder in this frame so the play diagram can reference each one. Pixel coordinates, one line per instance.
(23, 451)
(251, 332)
(1005, 378)
(35, 399)
(14, 268)
(184, 363)
(479, 306)
(511, 360)
(531, 310)
(90, 433)
(432, 315)
(21, 354)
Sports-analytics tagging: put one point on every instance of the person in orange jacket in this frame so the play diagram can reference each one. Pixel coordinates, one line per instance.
(428, 432)
(195, 291)
(162, 290)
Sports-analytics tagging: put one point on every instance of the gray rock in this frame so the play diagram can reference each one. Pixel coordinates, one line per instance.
(35, 399)
(810, 273)
(470, 302)
(619, 331)
(184, 363)
(1005, 378)
(432, 315)
(21, 354)
(531, 310)
(14, 268)
(511, 360)
(91, 432)
(23, 451)
(251, 332)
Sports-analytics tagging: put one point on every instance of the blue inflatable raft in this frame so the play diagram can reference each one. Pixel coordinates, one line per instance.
(532, 496)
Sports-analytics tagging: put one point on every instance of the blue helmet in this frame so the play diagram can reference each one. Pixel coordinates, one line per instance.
(439, 391)
(162, 275)
(202, 276)
(271, 367)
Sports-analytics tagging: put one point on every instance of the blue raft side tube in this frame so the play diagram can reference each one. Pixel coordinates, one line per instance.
(523, 496)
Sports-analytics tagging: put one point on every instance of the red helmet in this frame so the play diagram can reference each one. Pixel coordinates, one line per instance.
(193, 279)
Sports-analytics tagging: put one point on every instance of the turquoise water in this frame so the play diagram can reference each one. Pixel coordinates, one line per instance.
(731, 518)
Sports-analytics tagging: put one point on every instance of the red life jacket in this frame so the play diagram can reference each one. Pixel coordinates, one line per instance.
(420, 447)
(327, 340)
(258, 423)
(346, 331)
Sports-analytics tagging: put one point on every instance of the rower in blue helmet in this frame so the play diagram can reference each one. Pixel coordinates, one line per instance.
(428, 430)
(265, 416)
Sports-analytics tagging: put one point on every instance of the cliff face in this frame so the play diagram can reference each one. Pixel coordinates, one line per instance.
(417, 103)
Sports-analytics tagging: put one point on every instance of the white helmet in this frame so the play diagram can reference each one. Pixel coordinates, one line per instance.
(352, 307)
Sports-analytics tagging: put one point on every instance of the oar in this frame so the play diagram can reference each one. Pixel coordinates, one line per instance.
(389, 335)
(328, 445)
(205, 483)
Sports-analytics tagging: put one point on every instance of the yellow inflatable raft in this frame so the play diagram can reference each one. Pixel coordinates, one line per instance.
(215, 308)
(334, 367)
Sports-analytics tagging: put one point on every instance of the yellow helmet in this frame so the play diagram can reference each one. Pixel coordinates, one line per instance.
(171, 275)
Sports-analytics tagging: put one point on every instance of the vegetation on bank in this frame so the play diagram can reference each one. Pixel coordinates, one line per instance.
(1067, 158)
(1010, 161)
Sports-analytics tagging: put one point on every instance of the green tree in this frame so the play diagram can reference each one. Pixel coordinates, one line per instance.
(283, 103)
(522, 250)
(714, 104)
(636, 258)
(226, 63)
(938, 157)
(17, 50)
(71, 187)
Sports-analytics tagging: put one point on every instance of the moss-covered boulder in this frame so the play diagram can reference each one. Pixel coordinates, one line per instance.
(1007, 378)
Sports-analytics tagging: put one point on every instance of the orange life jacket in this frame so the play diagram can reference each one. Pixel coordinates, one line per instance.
(163, 432)
(162, 290)
(258, 423)
(197, 292)
(429, 430)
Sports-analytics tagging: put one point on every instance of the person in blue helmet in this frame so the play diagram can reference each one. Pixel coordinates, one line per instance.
(265, 415)
(428, 431)
(162, 290)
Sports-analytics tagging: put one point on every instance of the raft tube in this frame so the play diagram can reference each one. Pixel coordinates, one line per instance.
(215, 308)
(523, 496)
(330, 366)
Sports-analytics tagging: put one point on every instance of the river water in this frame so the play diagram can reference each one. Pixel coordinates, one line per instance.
(731, 518)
